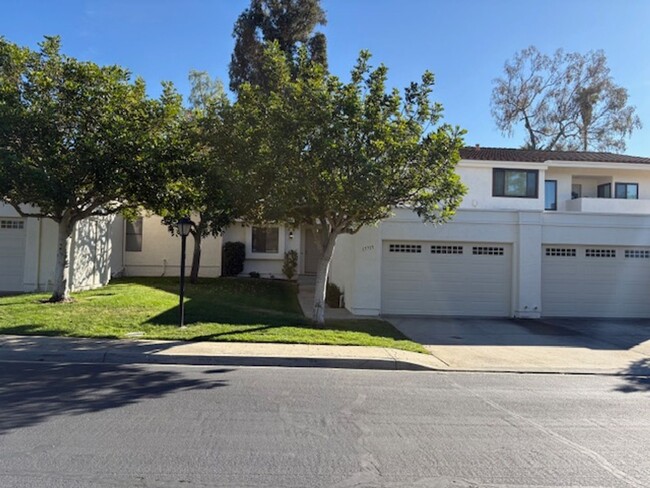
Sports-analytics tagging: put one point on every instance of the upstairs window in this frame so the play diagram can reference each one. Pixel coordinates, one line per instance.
(550, 195)
(266, 240)
(626, 190)
(605, 191)
(518, 183)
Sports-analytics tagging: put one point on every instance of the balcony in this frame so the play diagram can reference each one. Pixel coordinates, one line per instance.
(608, 205)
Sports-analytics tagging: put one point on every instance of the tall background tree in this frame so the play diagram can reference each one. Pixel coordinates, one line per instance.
(289, 22)
(77, 140)
(567, 101)
(194, 185)
(310, 149)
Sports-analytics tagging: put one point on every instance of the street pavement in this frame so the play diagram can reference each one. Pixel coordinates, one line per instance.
(126, 425)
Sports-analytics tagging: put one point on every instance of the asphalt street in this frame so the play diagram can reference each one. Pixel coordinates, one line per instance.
(76, 425)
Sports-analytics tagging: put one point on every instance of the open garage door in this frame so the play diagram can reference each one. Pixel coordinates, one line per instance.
(442, 278)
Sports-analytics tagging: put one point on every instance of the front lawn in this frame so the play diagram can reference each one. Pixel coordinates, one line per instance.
(223, 309)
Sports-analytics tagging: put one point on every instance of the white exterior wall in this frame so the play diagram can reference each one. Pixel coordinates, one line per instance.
(161, 252)
(90, 253)
(527, 231)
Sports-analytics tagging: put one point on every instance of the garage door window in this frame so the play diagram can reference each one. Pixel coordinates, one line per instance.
(560, 252)
(446, 249)
(408, 248)
(600, 253)
(488, 251)
(637, 254)
(12, 224)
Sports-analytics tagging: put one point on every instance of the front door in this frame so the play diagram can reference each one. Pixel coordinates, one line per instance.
(311, 253)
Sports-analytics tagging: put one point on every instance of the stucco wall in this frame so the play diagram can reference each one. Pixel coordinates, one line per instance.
(161, 252)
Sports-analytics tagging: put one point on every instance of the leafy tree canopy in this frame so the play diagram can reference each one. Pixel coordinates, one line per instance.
(310, 149)
(289, 22)
(567, 101)
(78, 139)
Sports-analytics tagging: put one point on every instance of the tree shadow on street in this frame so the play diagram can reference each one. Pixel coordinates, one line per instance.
(637, 377)
(31, 393)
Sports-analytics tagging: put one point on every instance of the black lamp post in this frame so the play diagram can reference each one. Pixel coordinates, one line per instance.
(184, 226)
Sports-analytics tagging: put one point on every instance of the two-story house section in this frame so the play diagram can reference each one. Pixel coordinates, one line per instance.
(539, 233)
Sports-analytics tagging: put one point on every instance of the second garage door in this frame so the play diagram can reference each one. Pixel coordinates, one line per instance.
(435, 278)
(595, 281)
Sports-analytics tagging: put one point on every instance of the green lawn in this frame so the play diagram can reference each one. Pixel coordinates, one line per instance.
(223, 309)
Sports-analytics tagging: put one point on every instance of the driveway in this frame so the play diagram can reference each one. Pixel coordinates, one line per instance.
(564, 345)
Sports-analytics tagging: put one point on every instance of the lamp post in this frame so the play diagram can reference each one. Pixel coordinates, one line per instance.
(184, 226)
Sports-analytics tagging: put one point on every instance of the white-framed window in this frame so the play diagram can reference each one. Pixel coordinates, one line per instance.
(265, 240)
(405, 248)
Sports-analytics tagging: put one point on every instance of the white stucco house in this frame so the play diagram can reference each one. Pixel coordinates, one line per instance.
(539, 233)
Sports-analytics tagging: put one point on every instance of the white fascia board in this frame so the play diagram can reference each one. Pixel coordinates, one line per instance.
(599, 165)
(473, 163)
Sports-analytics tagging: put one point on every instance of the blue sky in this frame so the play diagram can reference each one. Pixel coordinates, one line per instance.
(464, 42)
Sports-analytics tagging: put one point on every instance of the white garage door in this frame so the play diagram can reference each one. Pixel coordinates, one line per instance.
(595, 281)
(12, 254)
(441, 278)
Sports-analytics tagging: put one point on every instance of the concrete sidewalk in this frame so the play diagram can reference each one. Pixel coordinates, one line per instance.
(62, 349)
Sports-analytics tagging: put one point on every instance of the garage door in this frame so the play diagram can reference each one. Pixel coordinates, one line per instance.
(436, 278)
(595, 281)
(12, 254)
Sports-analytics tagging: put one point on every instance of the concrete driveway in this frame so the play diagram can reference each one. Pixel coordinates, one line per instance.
(620, 346)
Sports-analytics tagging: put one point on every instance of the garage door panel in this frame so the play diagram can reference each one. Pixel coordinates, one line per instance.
(452, 282)
(12, 254)
(608, 283)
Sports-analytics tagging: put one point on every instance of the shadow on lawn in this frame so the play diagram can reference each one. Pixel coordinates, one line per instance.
(33, 393)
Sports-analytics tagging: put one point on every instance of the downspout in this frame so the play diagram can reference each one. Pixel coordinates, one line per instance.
(38, 258)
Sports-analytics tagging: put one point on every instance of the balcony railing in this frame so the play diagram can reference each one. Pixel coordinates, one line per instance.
(608, 205)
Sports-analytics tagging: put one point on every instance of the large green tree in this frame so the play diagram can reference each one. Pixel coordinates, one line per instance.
(78, 140)
(310, 149)
(194, 184)
(567, 101)
(289, 22)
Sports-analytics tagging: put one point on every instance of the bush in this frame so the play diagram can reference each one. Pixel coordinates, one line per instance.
(234, 254)
(254, 274)
(333, 295)
(290, 264)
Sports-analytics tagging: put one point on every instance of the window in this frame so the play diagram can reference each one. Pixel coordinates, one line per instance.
(600, 253)
(487, 251)
(550, 195)
(605, 191)
(133, 241)
(514, 183)
(410, 248)
(637, 254)
(626, 190)
(576, 191)
(560, 252)
(266, 240)
(446, 249)
(12, 224)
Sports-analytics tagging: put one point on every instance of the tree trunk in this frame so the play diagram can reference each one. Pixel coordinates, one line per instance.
(322, 272)
(61, 290)
(196, 258)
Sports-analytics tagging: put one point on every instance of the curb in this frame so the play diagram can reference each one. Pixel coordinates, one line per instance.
(110, 357)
